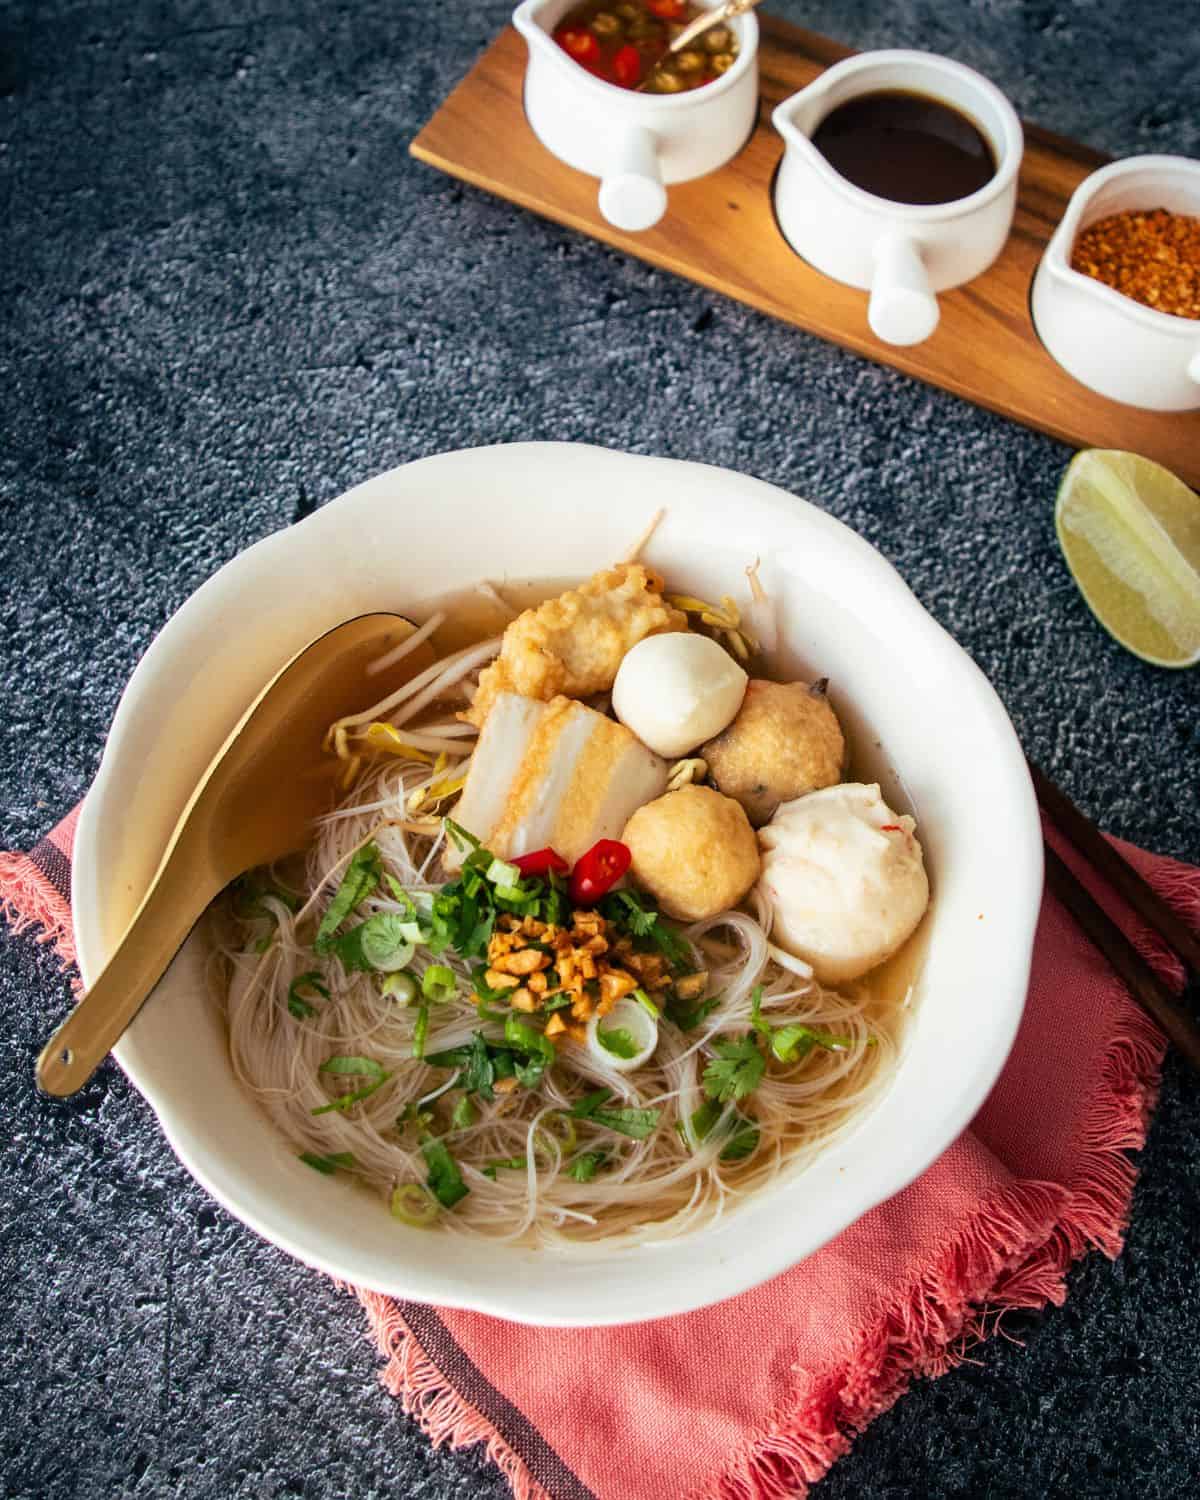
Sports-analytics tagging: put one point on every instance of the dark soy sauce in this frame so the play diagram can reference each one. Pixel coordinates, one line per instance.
(906, 147)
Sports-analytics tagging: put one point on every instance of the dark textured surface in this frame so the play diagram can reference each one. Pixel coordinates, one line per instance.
(228, 294)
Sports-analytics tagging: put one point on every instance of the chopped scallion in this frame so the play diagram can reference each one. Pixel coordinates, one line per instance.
(438, 984)
(646, 1003)
(502, 874)
(619, 1041)
(415, 1205)
(400, 987)
(421, 1029)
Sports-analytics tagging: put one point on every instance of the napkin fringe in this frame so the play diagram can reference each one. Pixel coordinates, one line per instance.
(1012, 1255)
(429, 1398)
(29, 901)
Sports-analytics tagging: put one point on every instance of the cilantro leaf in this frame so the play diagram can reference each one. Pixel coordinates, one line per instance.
(296, 1003)
(411, 1115)
(582, 1108)
(625, 910)
(479, 1072)
(327, 1165)
(736, 1070)
(529, 1072)
(344, 1101)
(688, 1017)
(743, 1140)
(636, 1123)
(481, 1062)
(742, 1134)
(703, 1119)
(586, 1165)
(528, 1039)
(365, 1067)
(792, 1043)
(628, 912)
(248, 893)
(463, 1114)
(445, 1180)
(361, 878)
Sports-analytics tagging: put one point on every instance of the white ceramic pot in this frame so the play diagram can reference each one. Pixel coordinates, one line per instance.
(902, 253)
(1107, 341)
(949, 753)
(634, 143)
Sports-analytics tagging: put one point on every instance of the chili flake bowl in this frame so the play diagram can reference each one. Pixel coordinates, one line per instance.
(1114, 345)
(949, 753)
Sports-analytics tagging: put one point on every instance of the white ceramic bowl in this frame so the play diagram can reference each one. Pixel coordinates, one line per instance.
(634, 143)
(896, 677)
(1107, 341)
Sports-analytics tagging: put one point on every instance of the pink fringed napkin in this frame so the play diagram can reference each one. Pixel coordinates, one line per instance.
(755, 1398)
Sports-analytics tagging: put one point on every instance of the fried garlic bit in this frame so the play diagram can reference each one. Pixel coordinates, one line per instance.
(573, 644)
(588, 962)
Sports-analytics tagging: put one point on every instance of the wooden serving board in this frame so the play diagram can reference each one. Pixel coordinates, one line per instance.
(720, 231)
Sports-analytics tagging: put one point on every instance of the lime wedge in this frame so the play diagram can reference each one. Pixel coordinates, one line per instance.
(1130, 532)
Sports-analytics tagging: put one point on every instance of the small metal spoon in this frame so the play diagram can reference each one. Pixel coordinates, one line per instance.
(698, 27)
(256, 802)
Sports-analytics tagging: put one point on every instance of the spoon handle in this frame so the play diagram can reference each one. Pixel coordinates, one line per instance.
(182, 889)
(710, 18)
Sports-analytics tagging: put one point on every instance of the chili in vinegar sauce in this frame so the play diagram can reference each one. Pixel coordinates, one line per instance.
(622, 43)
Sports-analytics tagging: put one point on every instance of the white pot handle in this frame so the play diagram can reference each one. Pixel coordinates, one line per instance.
(902, 309)
(1193, 368)
(632, 195)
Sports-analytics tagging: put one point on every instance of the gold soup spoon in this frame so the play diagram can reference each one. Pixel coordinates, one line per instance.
(256, 802)
(696, 28)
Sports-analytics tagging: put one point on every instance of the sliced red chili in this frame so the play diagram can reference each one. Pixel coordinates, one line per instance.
(627, 67)
(597, 871)
(668, 10)
(581, 45)
(540, 861)
(890, 828)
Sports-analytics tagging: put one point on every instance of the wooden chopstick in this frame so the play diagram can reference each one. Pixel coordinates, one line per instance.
(1143, 984)
(1121, 875)
(1140, 979)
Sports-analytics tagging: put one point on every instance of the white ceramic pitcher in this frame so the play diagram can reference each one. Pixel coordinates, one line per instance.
(902, 253)
(634, 143)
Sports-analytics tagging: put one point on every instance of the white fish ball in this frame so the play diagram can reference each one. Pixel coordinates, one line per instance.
(677, 690)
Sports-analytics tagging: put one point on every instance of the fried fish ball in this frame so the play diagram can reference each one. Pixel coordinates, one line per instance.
(784, 741)
(845, 879)
(694, 851)
(572, 645)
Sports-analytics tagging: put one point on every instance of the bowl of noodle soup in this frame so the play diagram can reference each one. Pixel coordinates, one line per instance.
(592, 1194)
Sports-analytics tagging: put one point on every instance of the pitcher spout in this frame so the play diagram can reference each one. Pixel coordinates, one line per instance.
(535, 19)
(797, 118)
